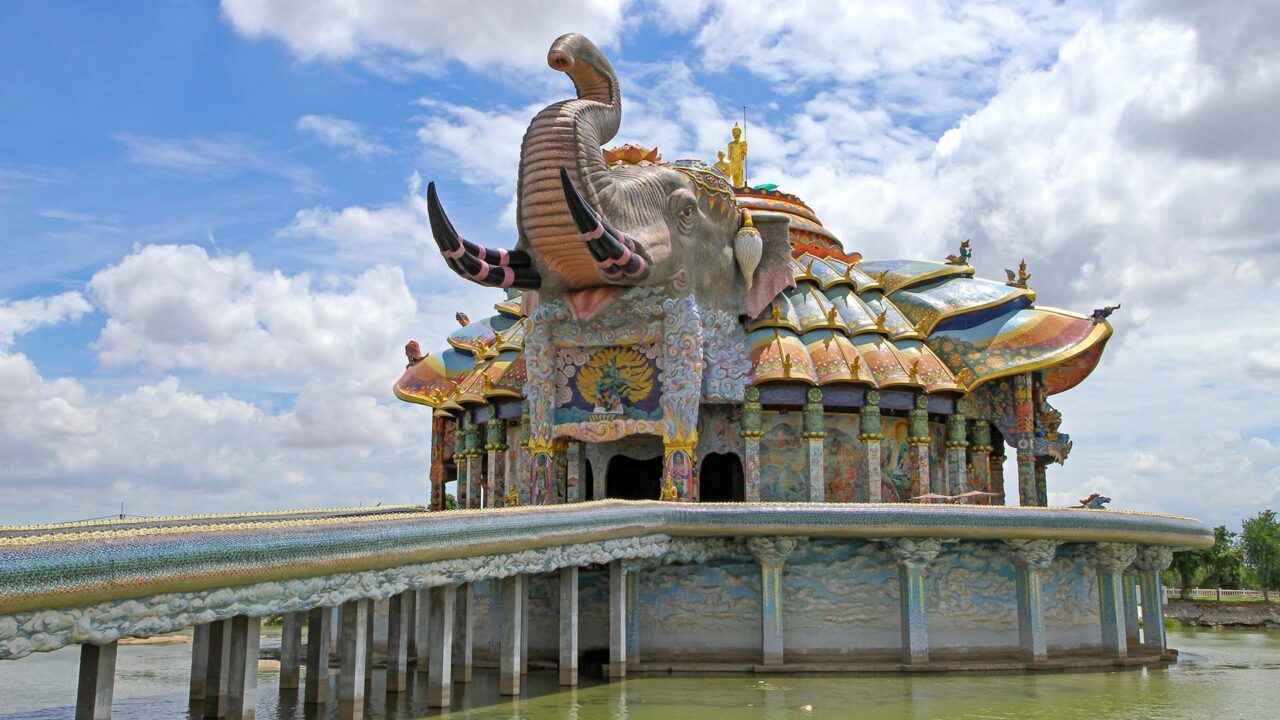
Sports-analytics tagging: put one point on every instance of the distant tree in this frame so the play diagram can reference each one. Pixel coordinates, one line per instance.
(450, 502)
(1225, 560)
(1186, 566)
(1260, 541)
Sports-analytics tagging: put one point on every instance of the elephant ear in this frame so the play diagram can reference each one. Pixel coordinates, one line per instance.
(774, 274)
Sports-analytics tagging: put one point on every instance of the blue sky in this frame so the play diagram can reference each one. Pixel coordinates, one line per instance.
(211, 216)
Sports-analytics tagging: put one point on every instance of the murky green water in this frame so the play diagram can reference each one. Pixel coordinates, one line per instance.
(1222, 674)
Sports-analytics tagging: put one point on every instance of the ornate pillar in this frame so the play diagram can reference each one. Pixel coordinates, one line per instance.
(1026, 430)
(870, 435)
(475, 465)
(510, 469)
(460, 462)
(913, 556)
(524, 458)
(1151, 562)
(996, 471)
(679, 481)
(437, 473)
(815, 431)
(1042, 487)
(918, 440)
(772, 553)
(1030, 559)
(542, 460)
(957, 447)
(495, 444)
(752, 431)
(97, 681)
(1111, 560)
(980, 457)
(575, 470)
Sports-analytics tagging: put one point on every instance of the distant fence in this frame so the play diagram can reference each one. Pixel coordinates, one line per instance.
(1222, 594)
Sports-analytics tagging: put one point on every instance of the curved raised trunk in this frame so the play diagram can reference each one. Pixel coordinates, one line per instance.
(568, 134)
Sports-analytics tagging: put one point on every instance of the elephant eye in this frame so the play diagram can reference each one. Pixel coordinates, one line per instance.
(687, 211)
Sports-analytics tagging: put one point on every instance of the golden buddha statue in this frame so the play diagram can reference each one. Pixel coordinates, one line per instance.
(723, 166)
(738, 158)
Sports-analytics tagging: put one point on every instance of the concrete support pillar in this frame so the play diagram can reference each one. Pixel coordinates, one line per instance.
(814, 434)
(97, 682)
(1024, 413)
(980, 458)
(1151, 562)
(575, 472)
(918, 451)
(569, 625)
(679, 477)
(1111, 560)
(290, 651)
(632, 569)
(524, 631)
(421, 630)
(1132, 619)
(399, 610)
(957, 454)
(199, 663)
(375, 636)
(319, 635)
(751, 432)
(869, 437)
(1030, 559)
(771, 553)
(353, 651)
(242, 680)
(617, 620)
(440, 634)
(218, 670)
(465, 633)
(996, 470)
(913, 556)
(513, 599)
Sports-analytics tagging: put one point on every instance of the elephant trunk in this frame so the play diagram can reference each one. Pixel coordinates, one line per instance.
(568, 134)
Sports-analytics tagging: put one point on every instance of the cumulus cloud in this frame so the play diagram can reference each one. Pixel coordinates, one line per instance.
(346, 135)
(22, 316)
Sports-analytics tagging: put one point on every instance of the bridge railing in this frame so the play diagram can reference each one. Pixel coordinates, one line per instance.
(1221, 594)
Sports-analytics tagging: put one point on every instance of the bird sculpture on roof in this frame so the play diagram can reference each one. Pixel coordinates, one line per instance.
(462, 319)
(414, 353)
(1095, 502)
(963, 257)
(1103, 313)
(1020, 278)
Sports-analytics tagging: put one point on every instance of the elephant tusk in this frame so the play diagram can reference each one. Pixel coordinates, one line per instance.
(477, 263)
(615, 253)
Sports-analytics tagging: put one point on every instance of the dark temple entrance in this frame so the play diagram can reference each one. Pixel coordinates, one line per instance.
(721, 479)
(631, 479)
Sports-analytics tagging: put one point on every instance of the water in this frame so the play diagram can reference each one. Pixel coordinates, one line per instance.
(1222, 674)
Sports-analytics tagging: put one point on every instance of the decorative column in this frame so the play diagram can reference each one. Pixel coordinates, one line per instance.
(510, 469)
(542, 458)
(815, 431)
(290, 650)
(679, 482)
(1042, 487)
(869, 435)
(918, 440)
(353, 652)
(1151, 562)
(460, 463)
(980, 457)
(1111, 560)
(319, 635)
(475, 450)
(440, 632)
(751, 432)
(1030, 559)
(466, 633)
(495, 445)
(576, 468)
(995, 470)
(524, 458)
(569, 625)
(97, 681)
(1026, 430)
(436, 471)
(617, 620)
(771, 553)
(913, 556)
(957, 447)
(399, 618)
(513, 600)
(242, 679)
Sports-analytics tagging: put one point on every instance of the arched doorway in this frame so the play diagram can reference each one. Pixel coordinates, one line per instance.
(631, 479)
(721, 479)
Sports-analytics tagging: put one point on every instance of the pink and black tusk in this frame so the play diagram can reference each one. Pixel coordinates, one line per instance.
(614, 252)
(477, 263)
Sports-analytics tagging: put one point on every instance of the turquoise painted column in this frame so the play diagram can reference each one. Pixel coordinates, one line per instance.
(751, 432)
(1132, 620)
(957, 452)
(814, 434)
(1151, 562)
(918, 451)
(870, 435)
(772, 553)
(1030, 559)
(913, 556)
(1111, 560)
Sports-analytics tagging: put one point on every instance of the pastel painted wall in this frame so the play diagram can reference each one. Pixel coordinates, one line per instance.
(782, 460)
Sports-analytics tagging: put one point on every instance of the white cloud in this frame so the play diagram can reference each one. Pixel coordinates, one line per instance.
(212, 158)
(18, 317)
(394, 37)
(346, 135)
(480, 147)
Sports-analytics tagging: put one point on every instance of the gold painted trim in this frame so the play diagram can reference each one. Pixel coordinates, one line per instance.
(1101, 332)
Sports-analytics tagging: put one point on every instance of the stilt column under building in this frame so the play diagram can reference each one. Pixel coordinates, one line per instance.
(440, 638)
(97, 681)
(465, 633)
(399, 618)
(1031, 558)
(290, 650)
(617, 620)
(1150, 563)
(217, 669)
(319, 637)
(242, 678)
(199, 664)
(353, 651)
(772, 554)
(1111, 560)
(569, 625)
(913, 556)
(513, 599)
(1132, 618)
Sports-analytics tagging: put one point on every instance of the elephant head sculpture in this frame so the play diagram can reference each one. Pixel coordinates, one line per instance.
(588, 231)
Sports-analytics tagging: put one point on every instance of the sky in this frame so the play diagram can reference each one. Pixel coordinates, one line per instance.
(213, 237)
